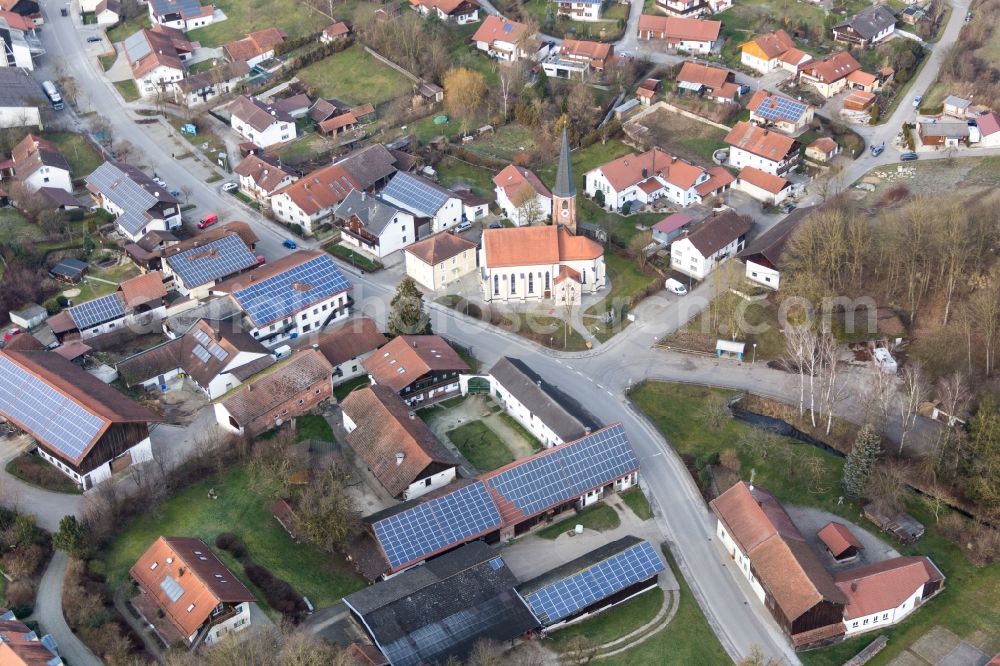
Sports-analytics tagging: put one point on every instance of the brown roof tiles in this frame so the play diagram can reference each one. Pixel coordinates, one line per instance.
(838, 538)
(528, 246)
(761, 142)
(512, 180)
(255, 44)
(415, 356)
(884, 585)
(439, 247)
(832, 68)
(706, 75)
(350, 340)
(143, 289)
(303, 369)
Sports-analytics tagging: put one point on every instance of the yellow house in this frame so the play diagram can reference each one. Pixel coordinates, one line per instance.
(438, 261)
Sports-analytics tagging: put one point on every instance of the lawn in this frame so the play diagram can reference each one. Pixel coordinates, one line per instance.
(425, 129)
(128, 90)
(355, 77)
(613, 623)
(81, 154)
(313, 426)
(342, 390)
(321, 577)
(355, 259)
(504, 143)
(627, 282)
(482, 447)
(14, 227)
(636, 500)
(600, 517)
(128, 27)
(684, 137)
(244, 16)
(452, 172)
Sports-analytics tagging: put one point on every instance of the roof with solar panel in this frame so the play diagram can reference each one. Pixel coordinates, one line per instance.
(215, 260)
(771, 107)
(567, 590)
(433, 524)
(98, 311)
(416, 194)
(131, 190)
(65, 408)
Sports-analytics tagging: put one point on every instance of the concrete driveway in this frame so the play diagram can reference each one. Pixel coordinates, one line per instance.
(48, 613)
(47, 506)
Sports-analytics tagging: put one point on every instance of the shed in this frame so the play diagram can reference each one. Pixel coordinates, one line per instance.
(69, 270)
(29, 316)
(859, 100)
(956, 106)
(729, 349)
(842, 545)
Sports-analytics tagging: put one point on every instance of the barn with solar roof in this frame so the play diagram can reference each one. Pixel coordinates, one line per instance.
(85, 428)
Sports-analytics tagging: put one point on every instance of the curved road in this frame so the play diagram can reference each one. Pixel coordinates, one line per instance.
(48, 613)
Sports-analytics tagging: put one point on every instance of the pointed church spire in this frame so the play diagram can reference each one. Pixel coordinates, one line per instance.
(564, 176)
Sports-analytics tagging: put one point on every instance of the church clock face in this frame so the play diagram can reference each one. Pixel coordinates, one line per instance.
(565, 212)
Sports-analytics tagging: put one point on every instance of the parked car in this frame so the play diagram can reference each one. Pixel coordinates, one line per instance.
(788, 208)
(64, 12)
(230, 186)
(917, 100)
(208, 220)
(908, 157)
(289, 243)
(11, 333)
(464, 226)
(496, 225)
(675, 287)
(877, 150)
(968, 16)
(91, 40)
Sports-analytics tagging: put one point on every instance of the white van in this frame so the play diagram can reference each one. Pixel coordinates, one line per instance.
(675, 287)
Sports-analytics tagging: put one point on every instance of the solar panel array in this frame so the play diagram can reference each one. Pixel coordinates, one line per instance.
(415, 194)
(202, 337)
(291, 290)
(97, 311)
(121, 190)
(171, 588)
(574, 593)
(780, 108)
(218, 352)
(412, 535)
(47, 414)
(212, 261)
(567, 471)
(137, 46)
(201, 353)
(186, 8)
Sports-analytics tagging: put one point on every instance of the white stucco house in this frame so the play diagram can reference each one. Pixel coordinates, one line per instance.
(522, 196)
(709, 242)
(503, 39)
(424, 199)
(371, 224)
(260, 123)
(769, 151)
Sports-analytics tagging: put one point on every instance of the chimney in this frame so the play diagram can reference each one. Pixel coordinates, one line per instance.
(645, 173)
(400, 457)
(412, 415)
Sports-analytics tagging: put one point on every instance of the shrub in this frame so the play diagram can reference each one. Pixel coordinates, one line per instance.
(279, 594)
(230, 542)
(20, 593)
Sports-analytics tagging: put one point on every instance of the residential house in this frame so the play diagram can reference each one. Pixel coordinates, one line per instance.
(260, 123)
(822, 149)
(884, 593)
(503, 39)
(769, 109)
(198, 264)
(454, 11)
(20, 95)
(841, 545)
(347, 346)
(284, 392)
(769, 151)
(764, 53)
(944, 134)
(371, 224)
(763, 257)
(543, 263)
(692, 8)
(437, 261)
(20, 43)
(298, 293)
(256, 47)
(108, 12)
(956, 106)
(156, 57)
(670, 227)
(425, 199)
(212, 83)
(626, 567)
(870, 26)
(859, 80)
(709, 243)
(140, 204)
(552, 417)
(829, 75)
(578, 58)
(989, 130)
(507, 502)
(642, 179)
(138, 303)
(181, 15)
(29, 10)
(216, 355)
(187, 595)
(260, 176)
(296, 106)
(83, 427)
(683, 34)
(39, 164)
(767, 188)
(715, 83)
(580, 10)
(334, 31)
(419, 368)
(21, 645)
(522, 196)
(397, 448)
(461, 598)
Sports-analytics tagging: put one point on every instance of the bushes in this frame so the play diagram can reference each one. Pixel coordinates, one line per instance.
(21, 597)
(231, 543)
(90, 614)
(279, 594)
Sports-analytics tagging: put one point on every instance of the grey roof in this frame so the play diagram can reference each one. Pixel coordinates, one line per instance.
(417, 194)
(954, 100)
(212, 261)
(30, 311)
(137, 46)
(714, 233)
(949, 130)
(18, 88)
(369, 165)
(131, 190)
(564, 176)
(870, 21)
(770, 245)
(539, 397)
(371, 211)
(440, 609)
(185, 8)
(217, 309)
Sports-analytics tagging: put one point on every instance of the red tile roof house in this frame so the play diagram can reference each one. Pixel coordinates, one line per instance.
(334, 31)
(522, 196)
(822, 149)
(715, 83)
(346, 346)
(22, 647)
(767, 150)
(786, 114)
(455, 11)
(643, 179)
(260, 176)
(156, 57)
(256, 47)
(139, 303)
(683, 34)
(260, 123)
(829, 75)
(419, 368)
(769, 189)
(38, 163)
(989, 130)
(187, 594)
(398, 448)
(277, 395)
(503, 39)
(85, 428)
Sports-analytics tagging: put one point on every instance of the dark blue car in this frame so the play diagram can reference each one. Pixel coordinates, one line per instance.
(289, 243)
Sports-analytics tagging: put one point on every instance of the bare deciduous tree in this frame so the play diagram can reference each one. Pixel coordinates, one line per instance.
(913, 393)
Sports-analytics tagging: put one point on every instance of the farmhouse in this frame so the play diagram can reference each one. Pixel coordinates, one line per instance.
(279, 394)
(347, 346)
(373, 225)
(715, 83)
(439, 260)
(763, 257)
(85, 428)
(768, 109)
(140, 204)
(157, 58)
(692, 8)
(709, 243)
(260, 176)
(455, 11)
(256, 47)
(187, 594)
(763, 149)
(398, 448)
(580, 10)
(829, 75)
(868, 27)
(425, 200)
(522, 196)
(419, 368)
(503, 39)
(884, 593)
(180, 15)
(683, 34)
(260, 123)
(39, 164)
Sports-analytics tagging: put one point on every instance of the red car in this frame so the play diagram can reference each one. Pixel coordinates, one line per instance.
(208, 220)
(10, 334)
(260, 260)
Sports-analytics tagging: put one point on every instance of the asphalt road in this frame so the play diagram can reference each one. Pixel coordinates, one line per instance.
(48, 613)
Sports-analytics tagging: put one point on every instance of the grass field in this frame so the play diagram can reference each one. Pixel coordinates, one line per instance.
(295, 18)
(614, 623)
(503, 143)
(128, 27)
(684, 137)
(636, 500)
(81, 154)
(626, 281)
(322, 577)
(452, 172)
(313, 426)
(355, 77)
(340, 392)
(600, 517)
(482, 447)
(13, 227)
(354, 258)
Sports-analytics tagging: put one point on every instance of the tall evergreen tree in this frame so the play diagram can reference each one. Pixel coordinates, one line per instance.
(861, 461)
(406, 310)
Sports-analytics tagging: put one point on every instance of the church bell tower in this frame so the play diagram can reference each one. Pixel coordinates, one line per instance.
(564, 193)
